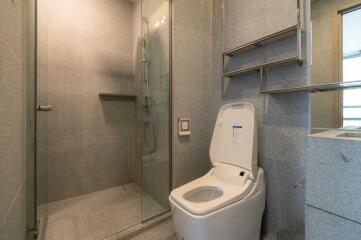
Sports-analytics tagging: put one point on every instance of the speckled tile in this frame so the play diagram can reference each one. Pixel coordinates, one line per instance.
(333, 176)
(15, 224)
(162, 231)
(321, 225)
(98, 57)
(190, 165)
(12, 164)
(96, 215)
(12, 27)
(166, 231)
(283, 119)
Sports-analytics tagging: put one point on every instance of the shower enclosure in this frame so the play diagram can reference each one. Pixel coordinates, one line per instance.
(103, 145)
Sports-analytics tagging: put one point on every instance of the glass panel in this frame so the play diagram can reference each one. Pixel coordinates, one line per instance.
(156, 116)
(351, 67)
(350, 123)
(88, 185)
(352, 112)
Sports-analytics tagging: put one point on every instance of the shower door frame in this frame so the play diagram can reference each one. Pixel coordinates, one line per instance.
(31, 201)
(31, 120)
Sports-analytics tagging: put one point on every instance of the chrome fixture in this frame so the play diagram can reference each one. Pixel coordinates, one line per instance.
(44, 108)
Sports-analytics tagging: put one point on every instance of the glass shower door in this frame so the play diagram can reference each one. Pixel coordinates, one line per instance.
(155, 164)
(87, 183)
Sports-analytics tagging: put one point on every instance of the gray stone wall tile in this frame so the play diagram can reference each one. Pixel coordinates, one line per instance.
(333, 176)
(321, 225)
(190, 165)
(192, 88)
(15, 226)
(283, 120)
(12, 141)
(94, 136)
(12, 120)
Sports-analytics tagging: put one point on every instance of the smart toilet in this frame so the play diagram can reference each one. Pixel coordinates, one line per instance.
(228, 202)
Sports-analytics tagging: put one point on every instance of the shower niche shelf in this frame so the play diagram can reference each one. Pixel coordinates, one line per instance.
(124, 96)
(294, 30)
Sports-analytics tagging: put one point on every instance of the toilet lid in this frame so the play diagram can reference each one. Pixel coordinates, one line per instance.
(234, 138)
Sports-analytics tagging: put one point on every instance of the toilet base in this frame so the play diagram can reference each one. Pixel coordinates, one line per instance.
(238, 221)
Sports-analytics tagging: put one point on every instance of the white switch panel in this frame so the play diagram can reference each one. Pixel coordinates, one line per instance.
(184, 126)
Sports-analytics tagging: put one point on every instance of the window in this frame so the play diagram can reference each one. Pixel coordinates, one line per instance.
(351, 66)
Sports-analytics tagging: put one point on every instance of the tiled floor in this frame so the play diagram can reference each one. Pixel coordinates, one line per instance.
(96, 215)
(163, 231)
(101, 214)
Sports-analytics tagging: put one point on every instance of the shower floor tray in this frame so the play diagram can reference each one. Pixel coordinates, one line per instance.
(96, 215)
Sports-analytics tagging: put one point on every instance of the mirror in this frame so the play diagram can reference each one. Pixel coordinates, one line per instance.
(336, 41)
(336, 58)
(337, 109)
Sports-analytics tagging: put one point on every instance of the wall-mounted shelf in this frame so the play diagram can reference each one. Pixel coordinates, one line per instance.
(262, 41)
(260, 67)
(295, 30)
(318, 88)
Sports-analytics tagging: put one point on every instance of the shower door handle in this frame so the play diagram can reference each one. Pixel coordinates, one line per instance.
(42, 108)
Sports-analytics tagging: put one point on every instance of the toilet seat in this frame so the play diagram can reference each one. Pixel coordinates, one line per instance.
(231, 192)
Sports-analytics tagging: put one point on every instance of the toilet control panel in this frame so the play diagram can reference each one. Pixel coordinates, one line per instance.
(231, 174)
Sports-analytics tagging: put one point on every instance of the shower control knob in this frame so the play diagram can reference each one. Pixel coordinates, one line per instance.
(42, 108)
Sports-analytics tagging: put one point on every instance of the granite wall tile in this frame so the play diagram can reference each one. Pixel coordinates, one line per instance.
(190, 165)
(89, 141)
(42, 175)
(154, 174)
(242, 25)
(65, 172)
(66, 120)
(283, 120)
(12, 140)
(14, 227)
(192, 88)
(321, 225)
(13, 104)
(333, 176)
(108, 117)
(108, 163)
(282, 14)
(12, 27)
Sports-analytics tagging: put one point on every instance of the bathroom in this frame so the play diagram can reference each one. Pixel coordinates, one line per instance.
(112, 115)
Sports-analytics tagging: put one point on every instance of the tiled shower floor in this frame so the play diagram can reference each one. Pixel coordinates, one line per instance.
(96, 215)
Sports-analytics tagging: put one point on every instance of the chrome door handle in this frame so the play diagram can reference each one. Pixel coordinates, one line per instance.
(41, 108)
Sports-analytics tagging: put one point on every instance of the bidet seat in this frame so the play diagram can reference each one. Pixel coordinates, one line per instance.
(231, 193)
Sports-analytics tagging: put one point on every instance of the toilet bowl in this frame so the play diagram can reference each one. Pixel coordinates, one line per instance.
(228, 202)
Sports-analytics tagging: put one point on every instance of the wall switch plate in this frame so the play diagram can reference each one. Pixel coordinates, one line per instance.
(184, 126)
